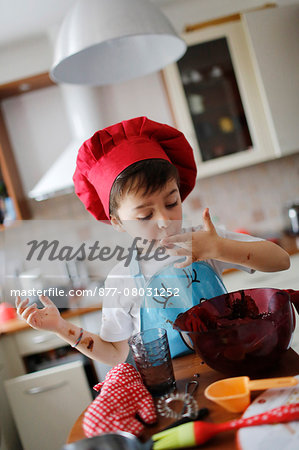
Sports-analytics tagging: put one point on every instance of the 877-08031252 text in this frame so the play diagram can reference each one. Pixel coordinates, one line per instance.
(101, 291)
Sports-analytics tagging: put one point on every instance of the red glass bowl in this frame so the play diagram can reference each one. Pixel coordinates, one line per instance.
(243, 332)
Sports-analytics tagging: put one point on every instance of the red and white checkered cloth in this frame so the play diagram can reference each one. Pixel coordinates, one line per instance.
(123, 395)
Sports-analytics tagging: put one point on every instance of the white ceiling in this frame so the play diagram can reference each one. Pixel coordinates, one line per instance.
(25, 18)
(21, 19)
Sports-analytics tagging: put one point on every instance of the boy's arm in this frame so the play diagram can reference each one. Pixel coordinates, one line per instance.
(207, 244)
(259, 255)
(91, 345)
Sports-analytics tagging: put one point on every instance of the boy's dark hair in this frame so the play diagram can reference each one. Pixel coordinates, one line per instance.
(149, 175)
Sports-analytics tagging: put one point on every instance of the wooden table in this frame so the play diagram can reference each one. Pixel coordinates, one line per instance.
(184, 368)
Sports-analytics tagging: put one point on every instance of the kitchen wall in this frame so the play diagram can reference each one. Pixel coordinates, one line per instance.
(251, 198)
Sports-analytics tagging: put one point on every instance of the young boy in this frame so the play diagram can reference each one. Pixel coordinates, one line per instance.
(136, 174)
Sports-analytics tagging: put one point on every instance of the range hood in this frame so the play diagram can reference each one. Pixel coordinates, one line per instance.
(82, 105)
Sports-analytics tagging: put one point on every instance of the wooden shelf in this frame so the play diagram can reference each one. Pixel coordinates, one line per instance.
(25, 85)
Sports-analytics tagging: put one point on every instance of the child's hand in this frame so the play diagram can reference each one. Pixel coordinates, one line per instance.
(46, 318)
(198, 245)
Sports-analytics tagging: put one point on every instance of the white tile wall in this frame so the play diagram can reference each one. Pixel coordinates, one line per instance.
(251, 198)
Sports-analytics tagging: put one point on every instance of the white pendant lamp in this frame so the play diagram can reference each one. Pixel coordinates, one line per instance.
(111, 41)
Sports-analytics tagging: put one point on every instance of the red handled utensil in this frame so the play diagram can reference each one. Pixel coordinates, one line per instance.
(197, 433)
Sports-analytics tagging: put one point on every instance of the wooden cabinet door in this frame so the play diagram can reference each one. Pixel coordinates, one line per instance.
(46, 404)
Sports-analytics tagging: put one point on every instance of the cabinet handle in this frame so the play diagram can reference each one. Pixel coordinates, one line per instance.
(39, 390)
(40, 339)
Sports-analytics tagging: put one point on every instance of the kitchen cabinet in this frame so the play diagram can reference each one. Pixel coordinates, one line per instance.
(30, 342)
(216, 102)
(234, 94)
(27, 354)
(46, 403)
(273, 38)
(9, 438)
(11, 365)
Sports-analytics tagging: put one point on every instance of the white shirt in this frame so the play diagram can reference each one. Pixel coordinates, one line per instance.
(121, 305)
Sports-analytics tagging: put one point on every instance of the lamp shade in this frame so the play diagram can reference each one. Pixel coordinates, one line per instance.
(111, 41)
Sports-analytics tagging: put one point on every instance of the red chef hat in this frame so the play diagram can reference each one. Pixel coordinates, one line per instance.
(111, 150)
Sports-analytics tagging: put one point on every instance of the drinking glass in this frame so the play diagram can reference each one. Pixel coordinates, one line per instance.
(150, 350)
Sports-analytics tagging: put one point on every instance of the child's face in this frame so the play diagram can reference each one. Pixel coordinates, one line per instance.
(151, 216)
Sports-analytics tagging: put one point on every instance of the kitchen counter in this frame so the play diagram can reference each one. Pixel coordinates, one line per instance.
(15, 325)
(184, 369)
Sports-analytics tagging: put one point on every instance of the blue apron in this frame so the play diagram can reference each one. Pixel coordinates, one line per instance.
(172, 291)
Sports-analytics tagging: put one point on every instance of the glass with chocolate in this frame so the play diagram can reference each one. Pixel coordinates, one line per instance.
(150, 350)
